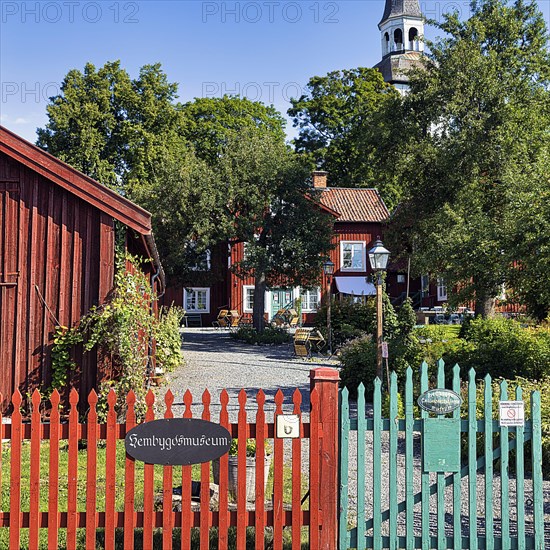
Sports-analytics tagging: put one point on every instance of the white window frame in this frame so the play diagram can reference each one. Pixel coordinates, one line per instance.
(246, 288)
(186, 291)
(314, 291)
(401, 278)
(203, 260)
(363, 267)
(441, 290)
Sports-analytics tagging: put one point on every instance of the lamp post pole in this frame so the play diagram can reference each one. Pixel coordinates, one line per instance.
(328, 269)
(379, 325)
(378, 257)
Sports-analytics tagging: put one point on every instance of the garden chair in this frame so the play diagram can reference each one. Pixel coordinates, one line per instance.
(234, 318)
(302, 345)
(279, 319)
(293, 318)
(317, 339)
(222, 320)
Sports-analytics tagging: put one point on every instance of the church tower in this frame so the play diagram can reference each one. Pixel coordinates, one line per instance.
(401, 28)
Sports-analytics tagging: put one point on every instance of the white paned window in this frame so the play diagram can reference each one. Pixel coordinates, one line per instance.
(248, 298)
(310, 299)
(400, 278)
(441, 290)
(352, 256)
(197, 300)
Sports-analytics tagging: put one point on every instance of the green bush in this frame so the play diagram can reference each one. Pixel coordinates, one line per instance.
(349, 320)
(504, 348)
(499, 347)
(386, 406)
(168, 350)
(358, 359)
(270, 336)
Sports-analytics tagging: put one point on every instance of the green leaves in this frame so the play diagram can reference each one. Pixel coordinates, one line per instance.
(345, 124)
(476, 123)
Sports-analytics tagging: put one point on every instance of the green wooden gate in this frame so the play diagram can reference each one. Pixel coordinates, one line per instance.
(492, 499)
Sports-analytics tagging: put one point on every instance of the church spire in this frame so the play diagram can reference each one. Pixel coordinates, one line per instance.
(400, 8)
(401, 30)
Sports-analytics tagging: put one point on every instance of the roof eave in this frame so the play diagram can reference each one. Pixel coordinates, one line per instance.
(75, 182)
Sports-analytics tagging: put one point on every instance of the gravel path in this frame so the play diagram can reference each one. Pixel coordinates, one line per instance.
(215, 361)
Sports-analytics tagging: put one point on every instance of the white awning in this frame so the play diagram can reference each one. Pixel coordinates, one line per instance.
(355, 285)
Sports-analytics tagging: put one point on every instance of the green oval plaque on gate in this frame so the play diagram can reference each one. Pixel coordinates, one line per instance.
(439, 401)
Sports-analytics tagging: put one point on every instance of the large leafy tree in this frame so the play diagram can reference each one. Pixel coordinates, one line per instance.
(209, 171)
(112, 127)
(276, 213)
(209, 123)
(347, 126)
(475, 132)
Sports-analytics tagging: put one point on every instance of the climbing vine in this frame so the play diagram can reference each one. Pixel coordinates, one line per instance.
(121, 330)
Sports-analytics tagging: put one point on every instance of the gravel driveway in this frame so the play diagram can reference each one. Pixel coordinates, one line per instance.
(216, 361)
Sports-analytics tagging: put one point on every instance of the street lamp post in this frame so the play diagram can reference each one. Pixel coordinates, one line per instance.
(378, 257)
(328, 270)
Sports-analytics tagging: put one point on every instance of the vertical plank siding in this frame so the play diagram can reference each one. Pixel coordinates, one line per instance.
(56, 260)
(93, 500)
(434, 509)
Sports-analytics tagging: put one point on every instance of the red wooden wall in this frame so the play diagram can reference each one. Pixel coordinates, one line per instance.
(56, 261)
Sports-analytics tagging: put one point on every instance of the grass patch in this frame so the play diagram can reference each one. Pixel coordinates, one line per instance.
(119, 495)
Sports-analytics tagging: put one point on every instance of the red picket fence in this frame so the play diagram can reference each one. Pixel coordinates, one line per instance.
(100, 510)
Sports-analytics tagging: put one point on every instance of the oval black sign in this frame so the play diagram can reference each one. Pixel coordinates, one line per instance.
(440, 401)
(177, 441)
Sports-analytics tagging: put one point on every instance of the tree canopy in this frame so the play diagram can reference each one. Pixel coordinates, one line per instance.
(210, 171)
(475, 135)
(346, 125)
(109, 126)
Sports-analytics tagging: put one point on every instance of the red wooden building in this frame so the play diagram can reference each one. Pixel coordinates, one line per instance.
(57, 252)
(359, 215)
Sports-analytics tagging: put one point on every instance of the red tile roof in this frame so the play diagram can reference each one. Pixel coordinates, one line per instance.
(355, 205)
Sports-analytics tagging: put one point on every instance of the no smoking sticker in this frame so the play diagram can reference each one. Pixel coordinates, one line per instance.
(512, 413)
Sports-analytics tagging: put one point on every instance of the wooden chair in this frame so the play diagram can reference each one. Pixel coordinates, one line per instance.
(222, 319)
(293, 318)
(193, 320)
(317, 340)
(302, 345)
(234, 318)
(279, 319)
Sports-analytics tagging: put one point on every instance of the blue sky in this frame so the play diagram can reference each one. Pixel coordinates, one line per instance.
(265, 50)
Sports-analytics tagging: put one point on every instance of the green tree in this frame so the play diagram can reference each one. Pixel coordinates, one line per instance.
(475, 130)
(111, 127)
(346, 126)
(208, 123)
(275, 212)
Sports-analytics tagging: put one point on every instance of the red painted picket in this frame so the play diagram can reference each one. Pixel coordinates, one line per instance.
(88, 501)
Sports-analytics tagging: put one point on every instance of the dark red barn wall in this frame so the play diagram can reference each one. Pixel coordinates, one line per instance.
(56, 261)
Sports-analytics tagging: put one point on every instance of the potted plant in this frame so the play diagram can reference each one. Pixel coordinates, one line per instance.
(250, 468)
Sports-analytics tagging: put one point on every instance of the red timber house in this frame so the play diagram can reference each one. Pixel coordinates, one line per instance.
(360, 217)
(57, 259)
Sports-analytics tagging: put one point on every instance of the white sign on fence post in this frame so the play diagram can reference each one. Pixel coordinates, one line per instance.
(511, 413)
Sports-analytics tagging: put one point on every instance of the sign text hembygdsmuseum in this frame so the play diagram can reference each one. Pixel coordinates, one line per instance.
(177, 441)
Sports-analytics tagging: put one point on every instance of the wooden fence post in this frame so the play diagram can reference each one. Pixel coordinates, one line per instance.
(325, 380)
